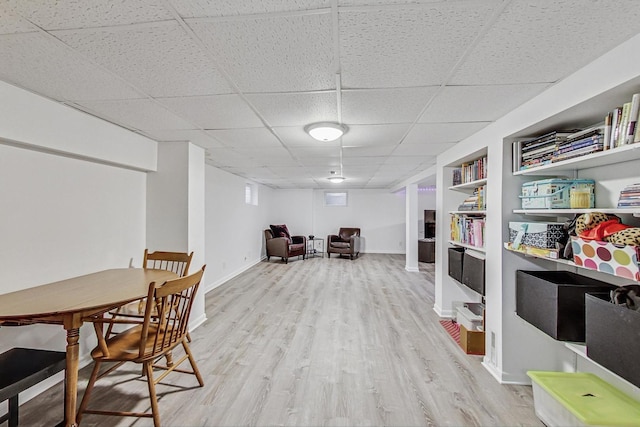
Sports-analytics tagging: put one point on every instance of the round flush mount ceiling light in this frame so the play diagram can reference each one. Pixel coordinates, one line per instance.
(336, 179)
(326, 131)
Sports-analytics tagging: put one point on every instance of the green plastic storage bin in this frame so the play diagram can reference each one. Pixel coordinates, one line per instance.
(581, 399)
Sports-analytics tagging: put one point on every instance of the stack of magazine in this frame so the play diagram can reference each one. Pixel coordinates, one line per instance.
(630, 197)
(580, 143)
(475, 202)
(537, 151)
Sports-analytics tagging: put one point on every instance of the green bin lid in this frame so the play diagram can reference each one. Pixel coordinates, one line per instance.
(591, 399)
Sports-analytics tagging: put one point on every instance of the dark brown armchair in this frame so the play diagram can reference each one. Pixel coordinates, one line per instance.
(347, 242)
(281, 243)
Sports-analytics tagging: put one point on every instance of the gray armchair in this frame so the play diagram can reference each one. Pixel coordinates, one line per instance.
(346, 242)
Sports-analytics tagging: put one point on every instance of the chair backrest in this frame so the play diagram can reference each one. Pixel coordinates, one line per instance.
(166, 316)
(268, 234)
(178, 262)
(346, 233)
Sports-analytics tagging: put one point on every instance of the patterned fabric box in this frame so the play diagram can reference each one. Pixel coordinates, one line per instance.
(606, 257)
(536, 234)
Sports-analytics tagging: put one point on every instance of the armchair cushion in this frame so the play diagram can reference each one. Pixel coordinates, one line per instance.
(280, 231)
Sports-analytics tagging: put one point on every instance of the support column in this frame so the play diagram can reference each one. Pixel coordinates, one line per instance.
(175, 208)
(411, 220)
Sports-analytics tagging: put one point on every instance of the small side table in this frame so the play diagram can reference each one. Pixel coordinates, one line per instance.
(315, 246)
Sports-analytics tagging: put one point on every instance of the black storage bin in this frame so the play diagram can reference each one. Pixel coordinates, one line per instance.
(473, 272)
(553, 301)
(455, 263)
(613, 336)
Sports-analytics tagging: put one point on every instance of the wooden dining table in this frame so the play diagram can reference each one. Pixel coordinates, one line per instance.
(69, 302)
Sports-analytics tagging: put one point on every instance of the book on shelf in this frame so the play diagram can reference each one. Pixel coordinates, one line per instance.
(467, 230)
(621, 124)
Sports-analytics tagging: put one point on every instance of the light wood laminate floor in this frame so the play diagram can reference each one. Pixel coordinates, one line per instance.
(320, 342)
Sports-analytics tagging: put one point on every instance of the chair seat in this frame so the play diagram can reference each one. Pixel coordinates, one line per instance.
(296, 247)
(126, 345)
(341, 245)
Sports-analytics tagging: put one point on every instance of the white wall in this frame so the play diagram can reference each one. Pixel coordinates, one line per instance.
(379, 214)
(59, 218)
(293, 208)
(233, 229)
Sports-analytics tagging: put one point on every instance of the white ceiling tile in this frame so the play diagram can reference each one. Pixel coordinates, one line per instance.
(478, 103)
(422, 149)
(12, 23)
(430, 133)
(202, 8)
(344, 3)
(159, 59)
(246, 138)
(407, 47)
(408, 161)
(374, 151)
(214, 112)
(301, 109)
(60, 14)
(371, 135)
(545, 40)
(274, 53)
(143, 114)
(43, 65)
(197, 137)
(380, 106)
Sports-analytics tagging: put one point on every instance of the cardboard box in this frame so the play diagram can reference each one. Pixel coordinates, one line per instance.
(537, 234)
(554, 301)
(613, 337)
(472, 342)
(619, 260)
(556, 193)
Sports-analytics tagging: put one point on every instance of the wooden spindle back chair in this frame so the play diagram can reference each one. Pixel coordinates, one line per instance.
(164, 327)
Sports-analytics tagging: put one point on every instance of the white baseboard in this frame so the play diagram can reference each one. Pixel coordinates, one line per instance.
(412, 269)
(231, 275)
(503, 378)
(443, 313)
(197, 321)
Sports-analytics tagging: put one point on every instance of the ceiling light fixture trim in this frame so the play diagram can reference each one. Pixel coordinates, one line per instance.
(336, 179)
(326, 131)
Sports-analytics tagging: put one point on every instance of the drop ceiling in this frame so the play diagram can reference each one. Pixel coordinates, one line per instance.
(242, 78)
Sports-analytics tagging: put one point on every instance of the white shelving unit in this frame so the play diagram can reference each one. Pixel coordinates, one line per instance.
(612, 170)
(466, 187)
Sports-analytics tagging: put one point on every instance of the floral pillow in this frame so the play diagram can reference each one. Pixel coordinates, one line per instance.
(280, 231)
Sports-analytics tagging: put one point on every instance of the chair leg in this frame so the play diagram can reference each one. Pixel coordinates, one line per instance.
(192, 361)
(87, 392)
(152, 393)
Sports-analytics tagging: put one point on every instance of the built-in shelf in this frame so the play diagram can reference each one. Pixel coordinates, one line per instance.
(469, 213)
(621, 154)
(534, 255)
(464, 245)
(466, 186)
(571, 212)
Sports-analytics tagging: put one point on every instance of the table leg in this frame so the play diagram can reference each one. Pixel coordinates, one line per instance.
(71, 376)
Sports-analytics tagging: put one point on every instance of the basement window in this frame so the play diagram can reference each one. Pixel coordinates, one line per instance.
(250, 194)
(335, 198)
